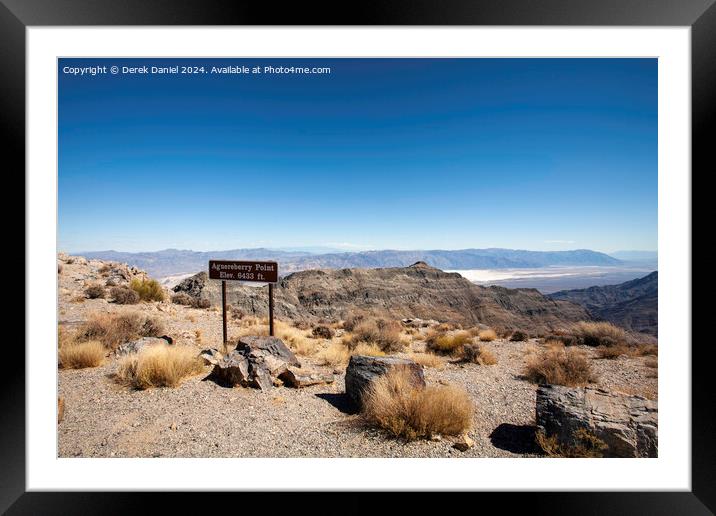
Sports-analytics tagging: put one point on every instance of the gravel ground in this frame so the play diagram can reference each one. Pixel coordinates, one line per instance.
(203, 419)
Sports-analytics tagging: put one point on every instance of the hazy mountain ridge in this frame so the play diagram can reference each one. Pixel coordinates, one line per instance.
(174, 261)
(633, 304)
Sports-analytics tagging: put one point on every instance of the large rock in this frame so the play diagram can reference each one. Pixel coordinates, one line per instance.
(135, 346)
(362, 370)
(626, 424)
(256, 362)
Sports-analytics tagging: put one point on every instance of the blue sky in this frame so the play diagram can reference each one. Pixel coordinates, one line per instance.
(543, 154)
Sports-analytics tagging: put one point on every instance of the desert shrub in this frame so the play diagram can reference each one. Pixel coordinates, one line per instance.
(301, 325)
(428, 360)
(201, 302)
(477, 354)
(110, 283)
(384, 334)
(519, 336)
(644, 350)
(94, 291)
(114, 330)
(584, 444)
(322, 332)
(79, 355)
(353, 320)
(106, 268)
(599, 333)
(487, 335)
(558, 365)
(148, 289)
(394, 403)
(566, 339)
(159, 366)
(612, 352)
(182, 298)
(124, 296)
(447, 343)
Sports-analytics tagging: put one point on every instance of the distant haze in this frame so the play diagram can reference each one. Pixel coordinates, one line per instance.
(171, 262)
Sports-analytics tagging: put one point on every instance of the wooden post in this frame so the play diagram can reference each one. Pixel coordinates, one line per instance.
(271, 309)
(223, 309)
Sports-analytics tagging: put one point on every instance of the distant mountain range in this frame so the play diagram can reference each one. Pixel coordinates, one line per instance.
(633, 304)
(175, 261)
(636, 256)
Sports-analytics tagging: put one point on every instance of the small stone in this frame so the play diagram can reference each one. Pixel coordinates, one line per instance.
(173, 426)
(464, 443)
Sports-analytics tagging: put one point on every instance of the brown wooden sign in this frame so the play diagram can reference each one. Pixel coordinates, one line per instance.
(232, 270)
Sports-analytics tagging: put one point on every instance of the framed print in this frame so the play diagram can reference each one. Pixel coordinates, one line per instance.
(417, 248)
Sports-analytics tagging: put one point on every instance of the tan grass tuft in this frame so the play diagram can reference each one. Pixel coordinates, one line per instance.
(599, 333)
(447, 342)
(558, 365)
(487, 335)
(394, 403)
(80, 355)
(159, 366)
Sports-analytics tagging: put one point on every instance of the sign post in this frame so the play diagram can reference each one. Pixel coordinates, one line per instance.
(232, 270)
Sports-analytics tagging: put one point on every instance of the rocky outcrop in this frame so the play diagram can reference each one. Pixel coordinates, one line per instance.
(418, 291)
(362, 370)
(256, 362)
(626, 424)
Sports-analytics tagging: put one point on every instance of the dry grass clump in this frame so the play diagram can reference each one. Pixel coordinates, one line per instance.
(182, 298)
(447, 343)
(105, 269)
(599, 333)
(519, 336)
(353, 320)
(558, 365)
(60, 409)
(335, 354)
(386, 335)
(477, 354)
(322, 332)
(159, 366)
(428, 360)
(114, 330)
(124, 296)
(584, 444)
(95, 291)
(394, 403)
(487, 335)
(612, 352)
(79, 355)
(148, 289)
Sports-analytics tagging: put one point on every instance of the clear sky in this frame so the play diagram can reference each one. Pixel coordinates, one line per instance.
(543, 154)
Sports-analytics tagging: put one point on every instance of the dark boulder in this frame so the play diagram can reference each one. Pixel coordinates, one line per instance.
(362, 370)
(626, 424)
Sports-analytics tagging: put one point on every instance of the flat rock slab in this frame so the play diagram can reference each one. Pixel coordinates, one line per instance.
(301, 378)
(267, 346)
(627, 424)
(362, 370)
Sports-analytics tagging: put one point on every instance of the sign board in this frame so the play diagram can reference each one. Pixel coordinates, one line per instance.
(232, 270)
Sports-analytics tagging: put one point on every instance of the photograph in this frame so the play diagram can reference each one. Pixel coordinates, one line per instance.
(357, 257)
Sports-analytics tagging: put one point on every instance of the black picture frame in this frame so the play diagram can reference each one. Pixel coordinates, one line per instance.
(17, 15)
